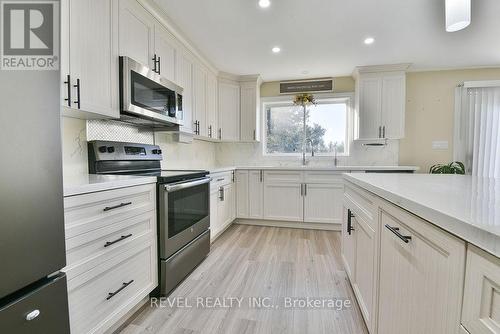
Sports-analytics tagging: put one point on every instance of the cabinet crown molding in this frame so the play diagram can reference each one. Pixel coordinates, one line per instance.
(380, 68)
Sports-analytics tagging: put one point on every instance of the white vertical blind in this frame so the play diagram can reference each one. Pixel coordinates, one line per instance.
(479, 128)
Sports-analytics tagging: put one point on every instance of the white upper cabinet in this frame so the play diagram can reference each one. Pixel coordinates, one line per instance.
(250, 105)
(165, 53)
(212, 110)
(229, 110)
(380, 100)
(137, 28)
(184, 78)
(200, 100)
(89, 71)
(393, 106)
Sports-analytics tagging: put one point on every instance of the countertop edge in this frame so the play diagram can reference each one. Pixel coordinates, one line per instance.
(318, 168)
(470, 233)
(80, 189)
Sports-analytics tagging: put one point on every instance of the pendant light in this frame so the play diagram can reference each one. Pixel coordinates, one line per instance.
(458, 14)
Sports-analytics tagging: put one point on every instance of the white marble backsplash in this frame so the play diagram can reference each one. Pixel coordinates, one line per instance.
(251, 154)
(205, 155)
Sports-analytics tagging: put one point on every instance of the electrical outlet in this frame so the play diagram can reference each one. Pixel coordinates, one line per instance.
(440, 145)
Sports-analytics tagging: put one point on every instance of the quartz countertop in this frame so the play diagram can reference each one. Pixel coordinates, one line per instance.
(466, 206)
(318, 168)
(88, 183)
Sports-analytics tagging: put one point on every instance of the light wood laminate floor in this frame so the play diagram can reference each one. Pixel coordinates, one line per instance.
(262, 262)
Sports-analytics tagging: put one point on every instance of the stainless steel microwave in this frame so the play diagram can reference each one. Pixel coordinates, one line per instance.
(148, 99)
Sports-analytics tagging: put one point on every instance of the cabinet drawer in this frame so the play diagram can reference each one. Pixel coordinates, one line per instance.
(105, 293)
(283, 176)
(84, 213)
(221, 179)
(481, 306)
(322, 177)
(87, 246)
(361, 203)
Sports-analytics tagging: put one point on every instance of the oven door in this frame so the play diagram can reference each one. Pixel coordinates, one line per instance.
(145, 94)
(184, 213)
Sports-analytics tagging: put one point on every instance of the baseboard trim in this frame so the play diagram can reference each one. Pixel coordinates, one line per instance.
(128, 317)
(214, 237)
(289, 224)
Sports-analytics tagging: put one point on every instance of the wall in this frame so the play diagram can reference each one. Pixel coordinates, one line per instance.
(430, 111)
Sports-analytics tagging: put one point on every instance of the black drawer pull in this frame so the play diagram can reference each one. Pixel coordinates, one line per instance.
(68, 83)
(220, 179)
(124, 285)
(116, 206)
(123, 237)
(77, 86)
(395, 230)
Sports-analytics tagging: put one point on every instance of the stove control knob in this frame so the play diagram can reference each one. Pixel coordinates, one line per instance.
(111, 149)
(102, 149)
(158, 152)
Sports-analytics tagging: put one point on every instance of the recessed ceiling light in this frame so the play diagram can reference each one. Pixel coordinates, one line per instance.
(369, 40)
(276, 49)
(264, 3)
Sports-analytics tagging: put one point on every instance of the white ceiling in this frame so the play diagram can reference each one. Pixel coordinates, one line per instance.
(325, 37)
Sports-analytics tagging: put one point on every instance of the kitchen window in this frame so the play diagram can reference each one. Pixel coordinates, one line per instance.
(326, 127)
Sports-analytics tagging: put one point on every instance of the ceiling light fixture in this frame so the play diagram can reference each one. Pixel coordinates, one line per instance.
(264, 3)
(369, 40)
(457, 14)
(276, 49)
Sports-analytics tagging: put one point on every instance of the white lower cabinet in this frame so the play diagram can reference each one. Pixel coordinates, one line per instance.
(255, 194)
(481, 306)
(111, 255)
(421, 275)
(407, 275)
(222, 202)
(242, 193)
(283, 201)
(323, 203)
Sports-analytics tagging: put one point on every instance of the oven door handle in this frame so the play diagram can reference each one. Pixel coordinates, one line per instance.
(183, 185)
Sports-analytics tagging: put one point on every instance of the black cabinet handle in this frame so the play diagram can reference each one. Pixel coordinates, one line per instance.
(159, 65)
(154, 63)
(350, 215)
(68, 83)
(220, 133)
(380, 131)
(395, 230)
(383, 131)
(77, 93)
(221, 193)
(124, 285)
(116, 206)
(123, 237)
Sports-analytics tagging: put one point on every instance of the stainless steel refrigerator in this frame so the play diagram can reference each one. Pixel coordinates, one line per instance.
(33, 293)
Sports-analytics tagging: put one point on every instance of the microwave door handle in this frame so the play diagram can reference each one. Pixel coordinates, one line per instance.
(184, 185)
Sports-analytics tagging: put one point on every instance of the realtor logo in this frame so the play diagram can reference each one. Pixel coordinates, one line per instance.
(30, 35)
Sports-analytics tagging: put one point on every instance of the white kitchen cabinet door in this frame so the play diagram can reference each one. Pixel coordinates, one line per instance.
(349, 245)
(481, 306)
(283, 201)
(93, 56)
(136, 32)
(184, 78)
(393, 106)
(242, 193)
(215, 224)
(364, 283)
(255, 194)
(229, 111)
(421, 280)
(370, 106)
(323, 203)
(200, 100)
(249, 112)
(212, 112)
(226, 206)
(165, 51)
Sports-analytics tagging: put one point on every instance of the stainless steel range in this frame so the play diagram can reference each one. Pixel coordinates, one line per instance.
(182, 204)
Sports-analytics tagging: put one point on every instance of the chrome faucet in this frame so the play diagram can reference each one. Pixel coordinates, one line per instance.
(304, 161)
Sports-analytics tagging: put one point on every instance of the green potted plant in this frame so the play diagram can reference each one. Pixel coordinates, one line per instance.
(454, 167)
